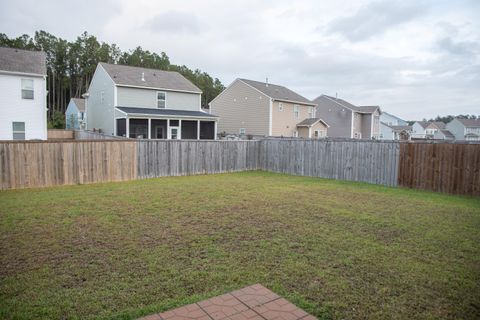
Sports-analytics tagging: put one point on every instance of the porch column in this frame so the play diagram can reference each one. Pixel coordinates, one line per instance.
(198, 129)
(149, 134)
(168, 130)
(179, 136)
(215, 131)
(127, 125)
(309, 132)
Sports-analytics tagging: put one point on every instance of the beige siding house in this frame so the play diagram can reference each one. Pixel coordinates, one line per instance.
(248, 107)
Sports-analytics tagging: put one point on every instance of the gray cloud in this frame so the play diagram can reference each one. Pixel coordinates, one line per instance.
(465, 48)
(374, 19)
(175, 22)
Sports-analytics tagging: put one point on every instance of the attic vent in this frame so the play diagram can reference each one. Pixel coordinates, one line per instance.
(143, 76)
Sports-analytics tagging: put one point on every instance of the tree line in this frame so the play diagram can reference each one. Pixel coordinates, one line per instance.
(71, 64)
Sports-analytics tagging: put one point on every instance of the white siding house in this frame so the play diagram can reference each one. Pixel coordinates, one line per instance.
(23, 95)
(465, 129)
(146, 103)
(75, 118)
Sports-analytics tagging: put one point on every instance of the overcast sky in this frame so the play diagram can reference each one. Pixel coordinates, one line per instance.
(415, 59)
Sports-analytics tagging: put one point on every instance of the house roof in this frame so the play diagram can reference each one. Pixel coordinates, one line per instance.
(277, 92)
(398, 128)
(152, 78)
(24, 61)
(439, 124)
(392, 115)
(447, 133)
(165, 112)
(470, 122)
(424, 124)
(346, 104)
(311, 122)
(80, 103)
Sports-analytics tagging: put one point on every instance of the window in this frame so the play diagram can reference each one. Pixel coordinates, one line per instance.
(280, 106)
(18, 130)
(311, 112)
(102, 97)
(296, 112)
(295, 134)
(242, 131)
(27, 89)
(161, 99)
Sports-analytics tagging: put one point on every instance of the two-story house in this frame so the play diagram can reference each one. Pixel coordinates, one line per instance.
(347, 120)
(75, 118)
(248, 107)
(146, 103)
(426, 129)
(394, 128)
(23, 94)
(465, 129)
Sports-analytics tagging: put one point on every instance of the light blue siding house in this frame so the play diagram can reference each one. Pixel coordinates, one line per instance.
(393, 128)
(75, 114)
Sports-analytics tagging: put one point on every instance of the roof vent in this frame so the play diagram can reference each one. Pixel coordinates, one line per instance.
(143, 76)
(266, 82)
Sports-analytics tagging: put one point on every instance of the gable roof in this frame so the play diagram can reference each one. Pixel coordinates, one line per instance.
(23, 61)
(470, 122)
(397, 128)
(277, 92)
(424, 124)
(393, 116)
(447, 134)
(152, 78)
(311, 122)
(80, 103)
(346, 104)
(439, 124)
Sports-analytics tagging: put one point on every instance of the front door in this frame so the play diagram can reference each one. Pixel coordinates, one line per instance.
(174, 133)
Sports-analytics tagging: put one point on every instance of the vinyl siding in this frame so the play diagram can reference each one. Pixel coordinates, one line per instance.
(284, 122)
(366, 126)
(338, 118)
(357, 124)
(457, 129)
(241, 106)
(147, 98)
(15, 109)
(71, 117)
(100, 115)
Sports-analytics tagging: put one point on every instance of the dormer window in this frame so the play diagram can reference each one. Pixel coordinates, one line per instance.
(161, 100)
(27, 89)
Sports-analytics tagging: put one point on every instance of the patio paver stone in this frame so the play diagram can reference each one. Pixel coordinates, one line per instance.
(251, 303)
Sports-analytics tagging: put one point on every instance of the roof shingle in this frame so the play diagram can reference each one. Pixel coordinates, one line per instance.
(152, 78)
(278, 92)
(80, 103)
(165, 112)
(24, 61)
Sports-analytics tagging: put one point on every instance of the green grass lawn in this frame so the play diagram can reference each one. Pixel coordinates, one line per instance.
(336, 249)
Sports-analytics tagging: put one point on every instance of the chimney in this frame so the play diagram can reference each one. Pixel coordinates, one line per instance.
(143, 76)
(336, 95)
(266, 82)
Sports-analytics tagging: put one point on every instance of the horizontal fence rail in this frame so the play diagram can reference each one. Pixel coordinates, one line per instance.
(90, 135)
(444, 167)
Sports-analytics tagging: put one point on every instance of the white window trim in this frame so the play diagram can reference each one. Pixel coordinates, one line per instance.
(102, 97)
(24, 130)
(33, 88)
(296, 112)
(165, 94)
(280, 106)
(242, 131)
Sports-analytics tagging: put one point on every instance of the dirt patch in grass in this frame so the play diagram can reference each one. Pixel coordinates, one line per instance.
(336, 249)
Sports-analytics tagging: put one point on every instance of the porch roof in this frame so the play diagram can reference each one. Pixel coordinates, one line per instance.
(164, 112)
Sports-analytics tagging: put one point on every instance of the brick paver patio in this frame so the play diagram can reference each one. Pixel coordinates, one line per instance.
(251, 303)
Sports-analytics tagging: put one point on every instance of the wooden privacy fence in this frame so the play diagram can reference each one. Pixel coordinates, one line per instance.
(445, 167)
(366, 161)
(158, 158)
(43, 164)
(450, 168)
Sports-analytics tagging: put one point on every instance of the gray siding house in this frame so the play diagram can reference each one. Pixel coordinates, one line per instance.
(146, 103)
(347, 120)
(75, 114)
(465, 129)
